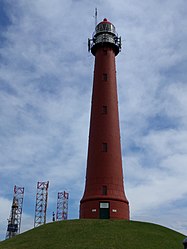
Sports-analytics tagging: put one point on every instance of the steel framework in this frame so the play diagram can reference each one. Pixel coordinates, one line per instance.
(41, 203)
(14, 222)
(62, 206)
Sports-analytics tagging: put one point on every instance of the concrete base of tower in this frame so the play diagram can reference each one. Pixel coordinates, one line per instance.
(104, 209)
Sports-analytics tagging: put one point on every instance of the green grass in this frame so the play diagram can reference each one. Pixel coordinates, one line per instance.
(96, 234)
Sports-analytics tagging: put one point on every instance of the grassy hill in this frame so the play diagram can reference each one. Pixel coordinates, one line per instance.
(96, 234)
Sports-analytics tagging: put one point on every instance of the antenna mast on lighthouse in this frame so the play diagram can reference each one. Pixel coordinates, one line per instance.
(95, 17)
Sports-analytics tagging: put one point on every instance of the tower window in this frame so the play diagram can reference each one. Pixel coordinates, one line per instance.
(104, 147)
(105, 51)
(104, 109)
(104, 190)
(105, 76)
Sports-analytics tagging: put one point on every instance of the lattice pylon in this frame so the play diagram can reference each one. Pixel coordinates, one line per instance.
(62, 206)
(14, 222)
(41, 203)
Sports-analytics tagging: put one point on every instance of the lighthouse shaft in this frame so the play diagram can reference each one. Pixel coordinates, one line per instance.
(104, 152)
(104, 195)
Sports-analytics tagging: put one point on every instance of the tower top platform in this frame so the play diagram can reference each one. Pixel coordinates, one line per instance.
(105, 26)
(104, 35)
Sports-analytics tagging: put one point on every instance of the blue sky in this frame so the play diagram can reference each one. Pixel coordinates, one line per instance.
(45, 95)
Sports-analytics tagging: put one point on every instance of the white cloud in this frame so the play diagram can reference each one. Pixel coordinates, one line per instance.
(27, 222)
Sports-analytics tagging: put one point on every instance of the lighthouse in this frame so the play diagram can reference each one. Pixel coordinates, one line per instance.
(104, 195)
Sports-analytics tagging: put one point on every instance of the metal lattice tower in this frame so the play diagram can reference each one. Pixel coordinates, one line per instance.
(62, 206)
(41, 203)
(14, 222)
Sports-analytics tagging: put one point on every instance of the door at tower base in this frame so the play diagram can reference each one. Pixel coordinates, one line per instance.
(104, 209)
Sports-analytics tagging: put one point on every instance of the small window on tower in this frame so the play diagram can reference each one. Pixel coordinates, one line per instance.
(104, 190)
(105, 76)
(104, 109)
(104, 147)
(105, 51)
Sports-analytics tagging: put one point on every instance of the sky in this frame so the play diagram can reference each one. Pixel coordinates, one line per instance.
(45, 98)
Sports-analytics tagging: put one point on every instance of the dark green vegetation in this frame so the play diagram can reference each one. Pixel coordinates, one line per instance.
(97, 234)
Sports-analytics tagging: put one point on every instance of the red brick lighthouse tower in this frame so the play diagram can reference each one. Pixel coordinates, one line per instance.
(104, 195)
